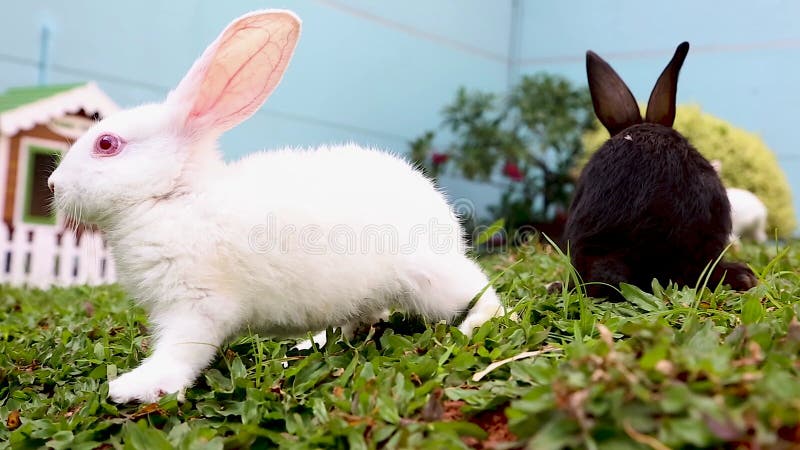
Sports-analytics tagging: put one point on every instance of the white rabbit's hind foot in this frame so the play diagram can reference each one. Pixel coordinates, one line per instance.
(444, 290)
(487, 307)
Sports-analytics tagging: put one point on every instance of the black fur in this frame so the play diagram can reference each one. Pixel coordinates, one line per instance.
(647, 205)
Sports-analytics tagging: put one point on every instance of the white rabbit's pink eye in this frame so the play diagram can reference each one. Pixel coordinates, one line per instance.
(108, 145)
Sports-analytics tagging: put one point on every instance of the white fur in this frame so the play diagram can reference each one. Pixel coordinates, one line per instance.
(208, 249)
(748, 216)
(748, 213)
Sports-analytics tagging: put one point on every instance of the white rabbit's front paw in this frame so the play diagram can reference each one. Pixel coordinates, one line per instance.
(147, 383)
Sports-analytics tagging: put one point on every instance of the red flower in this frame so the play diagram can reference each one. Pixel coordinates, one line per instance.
(511, 170)
(439, 158)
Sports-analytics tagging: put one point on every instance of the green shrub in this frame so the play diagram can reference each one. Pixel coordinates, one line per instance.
(532, 136)
(747, 162)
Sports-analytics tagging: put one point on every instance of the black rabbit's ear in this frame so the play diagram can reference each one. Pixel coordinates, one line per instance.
(661, 107)
(613, 102)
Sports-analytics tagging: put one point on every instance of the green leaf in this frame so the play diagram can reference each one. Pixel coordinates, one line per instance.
(139, 436)
(643, 300)
(460, 428)
(62, 439)
(487, 234)
(218, 382)
(752, 309)
(238, 370)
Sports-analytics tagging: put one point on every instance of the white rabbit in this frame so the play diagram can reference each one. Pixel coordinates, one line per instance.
(748, 213)
(748, 216)
(283, 242)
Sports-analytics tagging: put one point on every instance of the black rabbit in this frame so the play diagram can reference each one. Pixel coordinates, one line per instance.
(647, 205)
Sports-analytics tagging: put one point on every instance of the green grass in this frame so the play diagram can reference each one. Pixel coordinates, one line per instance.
(678, 369)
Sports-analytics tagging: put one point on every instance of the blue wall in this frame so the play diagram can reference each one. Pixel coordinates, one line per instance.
(379, 73)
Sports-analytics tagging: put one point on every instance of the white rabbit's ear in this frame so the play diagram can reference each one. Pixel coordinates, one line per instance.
(237, 72)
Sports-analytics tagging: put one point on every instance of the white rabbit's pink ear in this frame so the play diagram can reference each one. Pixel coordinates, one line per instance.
(237, 72)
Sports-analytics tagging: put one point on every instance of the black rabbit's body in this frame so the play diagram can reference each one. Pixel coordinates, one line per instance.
(647, 205)
(638, 224)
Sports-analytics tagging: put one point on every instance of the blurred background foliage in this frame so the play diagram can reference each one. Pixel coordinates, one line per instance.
(527, 142)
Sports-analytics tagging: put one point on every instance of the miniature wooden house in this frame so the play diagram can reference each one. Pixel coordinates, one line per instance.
(37, 125)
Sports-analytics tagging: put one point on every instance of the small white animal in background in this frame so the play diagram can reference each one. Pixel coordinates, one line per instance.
(748, 213)
(282, 242)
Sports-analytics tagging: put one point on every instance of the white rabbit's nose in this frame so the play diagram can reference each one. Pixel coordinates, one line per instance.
(51, 185)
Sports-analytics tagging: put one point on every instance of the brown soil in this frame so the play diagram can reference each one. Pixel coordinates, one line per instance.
(493, 422)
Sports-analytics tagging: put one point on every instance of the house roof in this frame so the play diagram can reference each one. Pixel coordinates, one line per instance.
(22, 108)
(18, 96)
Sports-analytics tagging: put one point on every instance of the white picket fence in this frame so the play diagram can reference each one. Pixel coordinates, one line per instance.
(35, 256)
